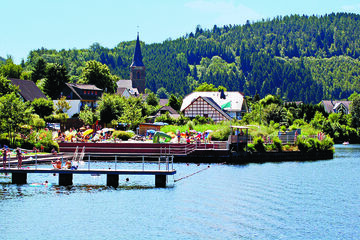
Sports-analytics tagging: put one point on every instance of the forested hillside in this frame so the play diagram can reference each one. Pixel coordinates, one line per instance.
(306, 58)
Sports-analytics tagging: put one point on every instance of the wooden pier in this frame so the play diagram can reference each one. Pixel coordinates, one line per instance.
(19, 176)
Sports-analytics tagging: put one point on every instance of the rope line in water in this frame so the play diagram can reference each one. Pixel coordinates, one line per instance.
(176, 180)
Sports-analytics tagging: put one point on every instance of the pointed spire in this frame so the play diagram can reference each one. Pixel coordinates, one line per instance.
(137, 60)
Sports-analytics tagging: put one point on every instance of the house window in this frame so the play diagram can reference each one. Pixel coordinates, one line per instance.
(95, 92)
(84, 92)
(138, 75)
(89, 92)
(92, 92)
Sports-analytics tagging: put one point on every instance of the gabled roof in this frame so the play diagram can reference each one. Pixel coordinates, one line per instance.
(121, 91)
(169, 109)
(137, 59)
(330, 105)
(212, 103)
(28, 89)
(163, 101)
(84, 86)
(124, 84)
(236, 98)
(121, 84)
(216, 106)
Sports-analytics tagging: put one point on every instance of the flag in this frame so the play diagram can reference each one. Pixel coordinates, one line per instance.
(226, 105)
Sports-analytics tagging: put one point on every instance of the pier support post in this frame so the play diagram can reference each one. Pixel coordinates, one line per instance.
(112, 180)
(160, 180)
(65, 179)
(18, 178)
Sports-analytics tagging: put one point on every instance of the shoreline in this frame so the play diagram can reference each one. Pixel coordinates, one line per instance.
(107, 151)
(257, 157)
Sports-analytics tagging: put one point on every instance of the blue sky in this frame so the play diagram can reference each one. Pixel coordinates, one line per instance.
(67, 24)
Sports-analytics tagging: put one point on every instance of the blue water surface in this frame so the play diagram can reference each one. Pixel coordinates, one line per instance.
(290, 200)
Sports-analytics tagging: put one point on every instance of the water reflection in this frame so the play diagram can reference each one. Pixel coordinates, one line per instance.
(13, 191)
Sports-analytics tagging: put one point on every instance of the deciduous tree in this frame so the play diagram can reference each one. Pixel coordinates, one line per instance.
(99, 74)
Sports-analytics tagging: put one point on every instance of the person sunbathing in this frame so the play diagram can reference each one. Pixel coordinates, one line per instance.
(67, 164)
(56, 164)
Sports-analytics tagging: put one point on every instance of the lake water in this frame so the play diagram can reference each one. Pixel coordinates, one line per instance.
(290, 200)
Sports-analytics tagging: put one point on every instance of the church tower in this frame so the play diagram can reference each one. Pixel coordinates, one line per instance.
(137, 69)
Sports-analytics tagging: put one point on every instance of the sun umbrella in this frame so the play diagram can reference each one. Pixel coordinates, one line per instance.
(87, 132)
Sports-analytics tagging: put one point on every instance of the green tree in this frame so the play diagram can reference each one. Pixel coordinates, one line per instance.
(62, 106)
(355, 112)
(132, 114)
(43, 107)
(99, 74)
(26, 75)
(13, 114)
(205, 87)
(111, 107)
(152, 99)
(174, 102)
(162, 93)
(88, 116)
(36, 121)
(6, 87)
(352, 96)
(11, 70)
(39, 71)
(56, 77)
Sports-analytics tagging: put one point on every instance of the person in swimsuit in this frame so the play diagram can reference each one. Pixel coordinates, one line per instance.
(4, 153)
(56, 164)
(19, 157)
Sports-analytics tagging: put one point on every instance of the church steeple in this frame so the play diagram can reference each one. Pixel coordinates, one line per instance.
(137, 69)
(137, 59)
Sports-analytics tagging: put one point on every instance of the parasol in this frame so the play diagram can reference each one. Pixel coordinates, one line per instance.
(87, 132)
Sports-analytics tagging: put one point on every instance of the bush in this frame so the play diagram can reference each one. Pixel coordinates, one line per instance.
(326, 144)
(303, 144)
(220, 134)
(41, 138)
(283, 128)
(251, 147)
(277, 144)
(190, 125)
(182, 120)
(166, 118)
(259, 144)
(122, 135)
(200, 119)
(313, 144)
(286, 147)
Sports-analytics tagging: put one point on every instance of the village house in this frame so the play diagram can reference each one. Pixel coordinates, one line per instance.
(79, 95)
(336, 106)
(219, 106)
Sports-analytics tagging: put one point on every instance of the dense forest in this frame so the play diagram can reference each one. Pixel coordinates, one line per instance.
(306, 58)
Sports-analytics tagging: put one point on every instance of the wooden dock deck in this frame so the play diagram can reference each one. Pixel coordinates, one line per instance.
(19, 176)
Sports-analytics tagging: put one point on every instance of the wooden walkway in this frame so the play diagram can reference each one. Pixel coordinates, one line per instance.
(19, 176)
